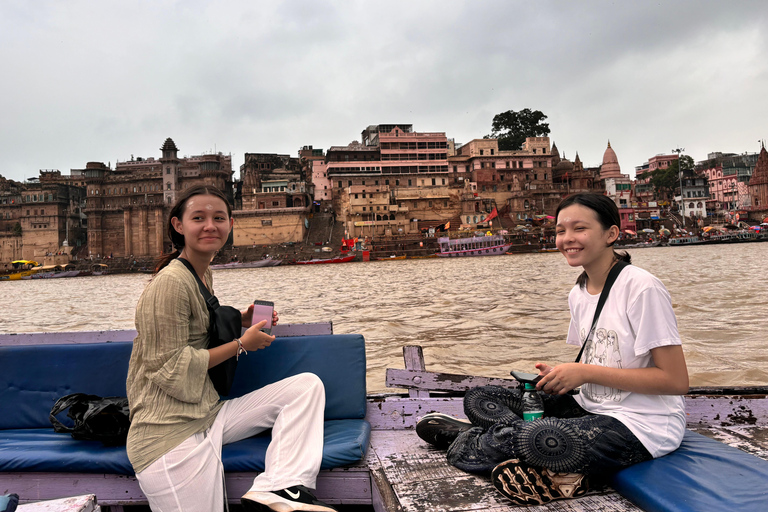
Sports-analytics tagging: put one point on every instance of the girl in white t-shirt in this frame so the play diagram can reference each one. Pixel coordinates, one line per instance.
(632, 377)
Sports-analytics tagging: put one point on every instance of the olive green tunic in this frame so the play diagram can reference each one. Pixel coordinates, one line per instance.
(169, 392)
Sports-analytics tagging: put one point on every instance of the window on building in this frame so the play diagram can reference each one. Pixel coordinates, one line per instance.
(349, 183)
(167, 170)
(363, 208)
(415, 204)
(409, 183)
(266, 222)
(433, 181)
(167, 186)
(275, 203)
(481, 152)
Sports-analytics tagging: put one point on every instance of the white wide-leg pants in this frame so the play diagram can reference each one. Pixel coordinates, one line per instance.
(190, 477)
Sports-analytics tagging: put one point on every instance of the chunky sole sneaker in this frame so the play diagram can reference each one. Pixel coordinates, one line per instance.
(486, 406)
(440, 430)
(293, 498)
(526, 485)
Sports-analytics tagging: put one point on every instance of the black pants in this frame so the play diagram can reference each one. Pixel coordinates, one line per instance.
(567, 439)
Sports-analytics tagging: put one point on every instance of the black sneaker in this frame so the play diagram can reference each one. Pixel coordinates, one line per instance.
(440, 430)
(297, 497)
(526, 485)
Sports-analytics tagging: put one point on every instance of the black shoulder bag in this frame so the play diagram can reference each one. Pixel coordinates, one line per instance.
(95, 418)
(612, 275)
(226, 324)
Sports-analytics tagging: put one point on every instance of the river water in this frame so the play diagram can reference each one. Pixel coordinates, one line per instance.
(482, 316)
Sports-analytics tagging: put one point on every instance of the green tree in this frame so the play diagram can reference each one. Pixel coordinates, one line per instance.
(511, 128)
(666, 180)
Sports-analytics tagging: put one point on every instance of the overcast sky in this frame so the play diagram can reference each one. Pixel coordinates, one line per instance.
(103, 80)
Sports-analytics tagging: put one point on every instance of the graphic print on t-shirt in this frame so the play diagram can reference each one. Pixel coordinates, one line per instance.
(603, 350)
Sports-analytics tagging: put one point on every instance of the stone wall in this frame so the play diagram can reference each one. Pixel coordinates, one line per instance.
(269, 226)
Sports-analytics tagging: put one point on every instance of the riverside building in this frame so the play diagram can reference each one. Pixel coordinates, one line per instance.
(272, 200)
(42, 219)
(128, 207)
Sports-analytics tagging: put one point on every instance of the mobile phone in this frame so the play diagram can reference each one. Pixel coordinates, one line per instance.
(262, 310)
(526, 377)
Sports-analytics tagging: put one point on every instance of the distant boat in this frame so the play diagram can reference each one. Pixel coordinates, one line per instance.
(100, 269)
(393, 257)
(268, 262)
(54, 272)
(340, 259)
(494, 245)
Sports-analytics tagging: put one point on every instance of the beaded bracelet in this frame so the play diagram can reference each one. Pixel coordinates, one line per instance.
(240, 349)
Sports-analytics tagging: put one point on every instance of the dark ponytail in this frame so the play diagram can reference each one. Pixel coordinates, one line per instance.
(607, 214)
(177, 239)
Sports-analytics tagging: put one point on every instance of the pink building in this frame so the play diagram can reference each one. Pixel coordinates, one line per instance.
(725, 191)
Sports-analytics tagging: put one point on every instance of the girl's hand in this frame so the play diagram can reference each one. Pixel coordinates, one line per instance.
(247, 315)
(543, 368)
(254, 339)
(561, 379)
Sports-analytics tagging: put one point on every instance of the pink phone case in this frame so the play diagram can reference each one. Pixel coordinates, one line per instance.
(263, 312)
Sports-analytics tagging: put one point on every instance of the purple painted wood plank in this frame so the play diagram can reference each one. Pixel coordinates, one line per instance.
(349, 485)
(85, 503)
(394, 412)
(57, 338)
(414, 360)
(425, 380)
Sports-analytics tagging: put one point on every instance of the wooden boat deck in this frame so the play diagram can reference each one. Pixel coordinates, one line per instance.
(412, 476)
(402, 473)
(417, 478)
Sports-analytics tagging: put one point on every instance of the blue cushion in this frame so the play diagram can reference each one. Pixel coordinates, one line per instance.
(43, 450)
(339, 361)
(33, 377)
(701, 475)
(345, 442)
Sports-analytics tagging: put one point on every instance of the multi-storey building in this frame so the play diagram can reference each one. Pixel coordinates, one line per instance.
(758, 186)
(10, 220)
(41, 219)
(127, 207)
(644, 191)
(272, 200)
(391, 158)
(728, 175)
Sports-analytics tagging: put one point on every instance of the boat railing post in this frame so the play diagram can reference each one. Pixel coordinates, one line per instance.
(414, 360)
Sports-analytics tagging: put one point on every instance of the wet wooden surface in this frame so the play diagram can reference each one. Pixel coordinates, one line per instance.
(420, 480)
(85, 503)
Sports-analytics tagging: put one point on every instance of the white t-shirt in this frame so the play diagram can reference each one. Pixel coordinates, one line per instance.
(636, 318)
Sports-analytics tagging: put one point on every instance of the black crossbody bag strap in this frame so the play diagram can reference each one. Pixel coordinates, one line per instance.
(211, 300)
(612, 275)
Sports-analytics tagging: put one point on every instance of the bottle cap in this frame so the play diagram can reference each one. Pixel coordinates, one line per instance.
(530, 385)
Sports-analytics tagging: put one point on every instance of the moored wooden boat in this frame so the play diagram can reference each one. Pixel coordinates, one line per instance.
(267, 262)
(339, 259)
(493, 245)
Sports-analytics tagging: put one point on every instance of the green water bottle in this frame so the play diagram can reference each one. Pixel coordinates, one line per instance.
(533, 407)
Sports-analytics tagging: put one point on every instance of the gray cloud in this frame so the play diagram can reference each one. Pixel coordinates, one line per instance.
(89, 80)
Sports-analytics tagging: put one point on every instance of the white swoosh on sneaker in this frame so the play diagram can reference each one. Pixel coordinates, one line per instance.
(292, 495)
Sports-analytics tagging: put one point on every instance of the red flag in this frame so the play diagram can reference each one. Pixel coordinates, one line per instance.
(492, 216)
(447, 225)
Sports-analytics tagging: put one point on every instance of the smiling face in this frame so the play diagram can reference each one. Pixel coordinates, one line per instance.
(582, 239)
(205, 224)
